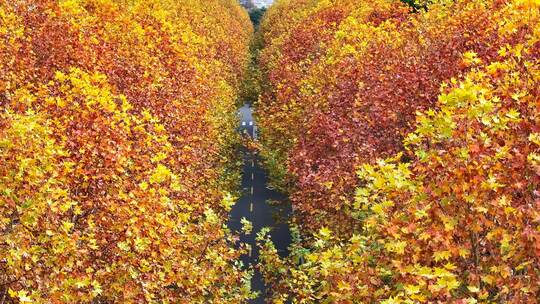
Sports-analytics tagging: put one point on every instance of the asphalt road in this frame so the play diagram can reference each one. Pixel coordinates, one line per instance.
(262, 206)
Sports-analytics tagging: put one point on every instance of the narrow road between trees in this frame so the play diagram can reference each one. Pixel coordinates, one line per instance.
(260, 205)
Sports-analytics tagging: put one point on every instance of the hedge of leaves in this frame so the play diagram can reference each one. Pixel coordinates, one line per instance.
(117, 120)
(345, 81)
(411, 151)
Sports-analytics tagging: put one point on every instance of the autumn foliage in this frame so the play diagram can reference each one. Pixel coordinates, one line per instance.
(408, 139)
(117, 120)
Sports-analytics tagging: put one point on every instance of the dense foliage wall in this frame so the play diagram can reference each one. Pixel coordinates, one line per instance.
(448, 95)
(117, 120)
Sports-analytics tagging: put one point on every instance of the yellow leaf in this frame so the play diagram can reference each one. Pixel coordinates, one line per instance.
(66, 226)
(160, 174)
(442, 255)
(412, 289)
(124, 246)
(12, 293)
(463, 252)
(343, 286)
(489, 279)
(378, 208)
(325, 233)
(425, 272)
(143, 186)
(473, 289)
(450, 266)
(23, 296)
(397, 247)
